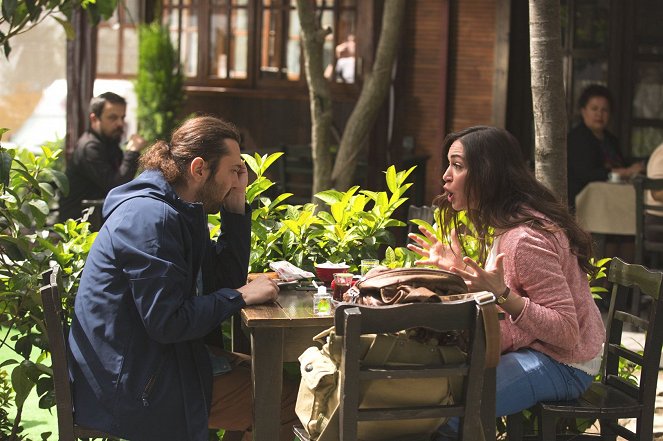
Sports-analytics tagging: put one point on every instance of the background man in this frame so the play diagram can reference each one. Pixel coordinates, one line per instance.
(98, 164)
(155, 285)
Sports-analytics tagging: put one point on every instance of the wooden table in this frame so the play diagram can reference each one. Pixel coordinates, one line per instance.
(279, 332)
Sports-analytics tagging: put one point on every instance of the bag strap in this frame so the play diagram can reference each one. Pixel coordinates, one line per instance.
(486, 301)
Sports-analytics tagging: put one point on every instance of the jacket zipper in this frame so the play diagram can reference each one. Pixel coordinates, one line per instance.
(150, 384)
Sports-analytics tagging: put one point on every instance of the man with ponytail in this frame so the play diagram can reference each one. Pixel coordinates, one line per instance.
(155, 286)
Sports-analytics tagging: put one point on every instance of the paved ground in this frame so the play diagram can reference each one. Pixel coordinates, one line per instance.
(636, 341)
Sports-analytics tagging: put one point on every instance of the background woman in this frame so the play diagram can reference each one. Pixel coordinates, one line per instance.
(593, 152)
(537, 267)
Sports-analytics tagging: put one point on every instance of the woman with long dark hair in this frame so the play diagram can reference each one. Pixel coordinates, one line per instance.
(532, 256)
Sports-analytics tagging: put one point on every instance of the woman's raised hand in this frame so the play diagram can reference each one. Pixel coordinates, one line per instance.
(479, 279)
(436, 253)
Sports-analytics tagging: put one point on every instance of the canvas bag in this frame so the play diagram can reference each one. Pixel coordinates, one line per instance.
(319, 393)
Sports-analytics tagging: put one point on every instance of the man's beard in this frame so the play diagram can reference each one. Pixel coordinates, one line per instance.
(210, 196)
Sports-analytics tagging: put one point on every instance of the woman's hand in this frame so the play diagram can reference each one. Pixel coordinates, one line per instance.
(479, 279)
(435, 252)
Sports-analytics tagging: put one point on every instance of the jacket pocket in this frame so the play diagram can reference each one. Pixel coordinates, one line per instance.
(151, 382)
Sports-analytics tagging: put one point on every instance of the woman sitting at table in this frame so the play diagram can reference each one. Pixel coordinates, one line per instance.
(537, 267)
(593, 152)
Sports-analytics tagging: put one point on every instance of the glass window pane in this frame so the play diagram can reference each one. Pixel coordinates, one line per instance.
(189, 49)
(131, 11)
(130, 52)
(240, 44)
(586, 72)
(293, 48)
(269, 57)
(591, 24)
(218, 44)
(649, 31)
(648, 91)
(107, 53)
(644, 140)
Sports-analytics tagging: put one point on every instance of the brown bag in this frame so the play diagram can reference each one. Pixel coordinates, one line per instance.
(405, 285)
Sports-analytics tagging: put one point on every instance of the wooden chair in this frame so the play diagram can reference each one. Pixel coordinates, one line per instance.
(57, 330)
(477, 399)
(647, 252)
(613, 397)
(93, 207)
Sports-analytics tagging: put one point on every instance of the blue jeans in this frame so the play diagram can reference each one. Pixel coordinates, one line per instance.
(526, 377)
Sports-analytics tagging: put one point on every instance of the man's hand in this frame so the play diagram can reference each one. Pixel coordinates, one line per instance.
(136, 143)
(261, 290)
(235, 201)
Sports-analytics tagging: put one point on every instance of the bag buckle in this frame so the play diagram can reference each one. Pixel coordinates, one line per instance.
(484, 298)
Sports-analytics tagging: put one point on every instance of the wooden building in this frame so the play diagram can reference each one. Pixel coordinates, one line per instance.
(461, 63)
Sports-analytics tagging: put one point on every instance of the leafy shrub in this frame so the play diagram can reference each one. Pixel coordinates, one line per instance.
(344, 227)
(29, 246)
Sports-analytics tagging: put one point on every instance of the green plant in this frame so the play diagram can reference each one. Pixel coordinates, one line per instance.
(28, 246)
(345, 226)
(159, 83)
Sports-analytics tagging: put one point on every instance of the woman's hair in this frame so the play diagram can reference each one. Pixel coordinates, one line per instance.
(202, 136)
(506, 194)
(591, 91)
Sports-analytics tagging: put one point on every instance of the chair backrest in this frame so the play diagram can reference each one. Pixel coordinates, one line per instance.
(643, 184)
(56, 327)
(625, 279)
(352, 321)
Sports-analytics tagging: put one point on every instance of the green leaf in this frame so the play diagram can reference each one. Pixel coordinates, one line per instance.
(5, 164)
(8, 9)
(68, 28)
(21, 382)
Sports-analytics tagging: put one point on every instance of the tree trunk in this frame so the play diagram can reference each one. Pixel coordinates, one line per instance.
(548, 95)
(373, 94)
(313, 37)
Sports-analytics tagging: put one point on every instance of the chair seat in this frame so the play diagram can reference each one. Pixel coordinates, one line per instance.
(85, 432)
(600, 401)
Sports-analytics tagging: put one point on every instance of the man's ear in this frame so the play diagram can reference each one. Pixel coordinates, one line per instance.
(197, 169)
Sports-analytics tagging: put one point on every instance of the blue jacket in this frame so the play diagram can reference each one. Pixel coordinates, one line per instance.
(139, 366)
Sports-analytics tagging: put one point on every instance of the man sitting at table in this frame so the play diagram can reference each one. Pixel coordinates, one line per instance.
(155, 285)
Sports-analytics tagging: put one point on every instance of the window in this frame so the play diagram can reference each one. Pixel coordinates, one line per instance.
(256, 43)
(619, 45)
(117, 42)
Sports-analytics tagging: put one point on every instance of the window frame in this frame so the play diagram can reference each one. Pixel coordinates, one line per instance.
(253, 83)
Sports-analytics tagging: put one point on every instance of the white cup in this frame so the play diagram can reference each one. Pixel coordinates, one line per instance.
(614, 177)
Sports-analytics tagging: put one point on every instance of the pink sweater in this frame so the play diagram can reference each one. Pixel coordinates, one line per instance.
(560, 318)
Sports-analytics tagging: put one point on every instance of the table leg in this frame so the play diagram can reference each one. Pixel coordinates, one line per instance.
(267, 358)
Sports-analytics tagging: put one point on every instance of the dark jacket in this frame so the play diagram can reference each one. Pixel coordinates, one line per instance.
(139, 366)
(96, 166)
(589, 159)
